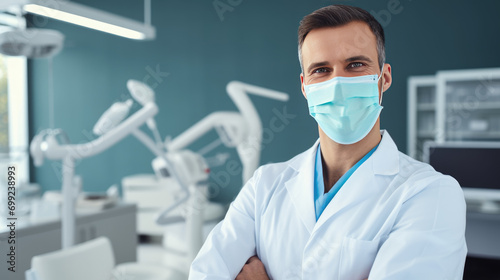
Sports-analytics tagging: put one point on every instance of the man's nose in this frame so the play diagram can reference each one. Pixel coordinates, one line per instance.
(338, 72)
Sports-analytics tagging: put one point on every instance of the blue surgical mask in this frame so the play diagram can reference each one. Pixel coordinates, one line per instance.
(346, 108)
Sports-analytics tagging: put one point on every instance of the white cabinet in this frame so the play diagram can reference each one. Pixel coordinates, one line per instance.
(454, 105)
(421, 113)
(469, 102)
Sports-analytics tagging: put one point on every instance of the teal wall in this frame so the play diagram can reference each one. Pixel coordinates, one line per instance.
(255, 43)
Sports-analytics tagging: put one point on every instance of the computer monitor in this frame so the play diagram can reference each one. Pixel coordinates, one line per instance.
(475, 165)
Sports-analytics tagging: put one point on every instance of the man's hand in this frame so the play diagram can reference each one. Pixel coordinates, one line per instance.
(253, 270)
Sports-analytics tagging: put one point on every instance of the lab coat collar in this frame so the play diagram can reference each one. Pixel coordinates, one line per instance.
(363, 184)
(384, 161)
(300, 186)
(300, 162)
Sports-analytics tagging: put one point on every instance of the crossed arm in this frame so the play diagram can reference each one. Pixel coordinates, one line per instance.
(253, 270)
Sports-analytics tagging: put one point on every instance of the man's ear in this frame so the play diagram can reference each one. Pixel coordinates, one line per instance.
(302, 85)
(387, 77)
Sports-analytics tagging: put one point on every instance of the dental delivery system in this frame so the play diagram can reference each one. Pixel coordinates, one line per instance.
(242, 130)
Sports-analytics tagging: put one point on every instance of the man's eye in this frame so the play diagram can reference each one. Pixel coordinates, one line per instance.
(356, 65)
(321, 70)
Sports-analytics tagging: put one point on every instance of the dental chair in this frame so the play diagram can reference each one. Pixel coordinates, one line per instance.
(91, 260)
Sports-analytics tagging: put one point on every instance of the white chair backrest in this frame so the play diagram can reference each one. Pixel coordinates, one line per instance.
(92, 260)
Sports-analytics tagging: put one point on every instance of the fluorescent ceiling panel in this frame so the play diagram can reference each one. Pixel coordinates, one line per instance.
(92, 18)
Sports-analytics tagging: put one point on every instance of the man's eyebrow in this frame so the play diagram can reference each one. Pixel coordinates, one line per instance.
(358, 58)
(317, 64)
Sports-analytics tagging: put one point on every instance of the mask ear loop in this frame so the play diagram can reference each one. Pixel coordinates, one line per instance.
(382, 90)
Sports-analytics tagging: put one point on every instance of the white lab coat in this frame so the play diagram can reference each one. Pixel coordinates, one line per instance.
(395, 218)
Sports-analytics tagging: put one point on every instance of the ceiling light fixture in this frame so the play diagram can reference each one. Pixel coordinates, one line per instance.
(93, 18)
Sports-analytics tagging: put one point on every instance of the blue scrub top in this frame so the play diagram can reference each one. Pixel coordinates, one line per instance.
(322, 199)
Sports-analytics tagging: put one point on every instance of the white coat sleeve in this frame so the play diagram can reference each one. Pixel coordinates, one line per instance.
(428, 237)
(232, 242)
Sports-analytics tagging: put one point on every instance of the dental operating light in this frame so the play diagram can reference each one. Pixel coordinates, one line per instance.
(31, 42)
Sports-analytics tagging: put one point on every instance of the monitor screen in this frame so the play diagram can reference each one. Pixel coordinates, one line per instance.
(472, 167)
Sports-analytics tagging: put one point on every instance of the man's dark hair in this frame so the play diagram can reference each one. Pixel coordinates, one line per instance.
(338, 15)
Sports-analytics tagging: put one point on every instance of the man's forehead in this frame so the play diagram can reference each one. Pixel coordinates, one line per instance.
(352, 39)
(356, 32)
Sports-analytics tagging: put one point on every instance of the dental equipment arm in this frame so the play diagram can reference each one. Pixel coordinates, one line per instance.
(143, 94)
(249, 149)
(54, 151)
(242, 130)
(51, 149)
(163, 218)
(112, 117)
(227, 124)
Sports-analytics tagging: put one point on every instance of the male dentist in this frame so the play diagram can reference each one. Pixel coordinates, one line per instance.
(351, 207)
